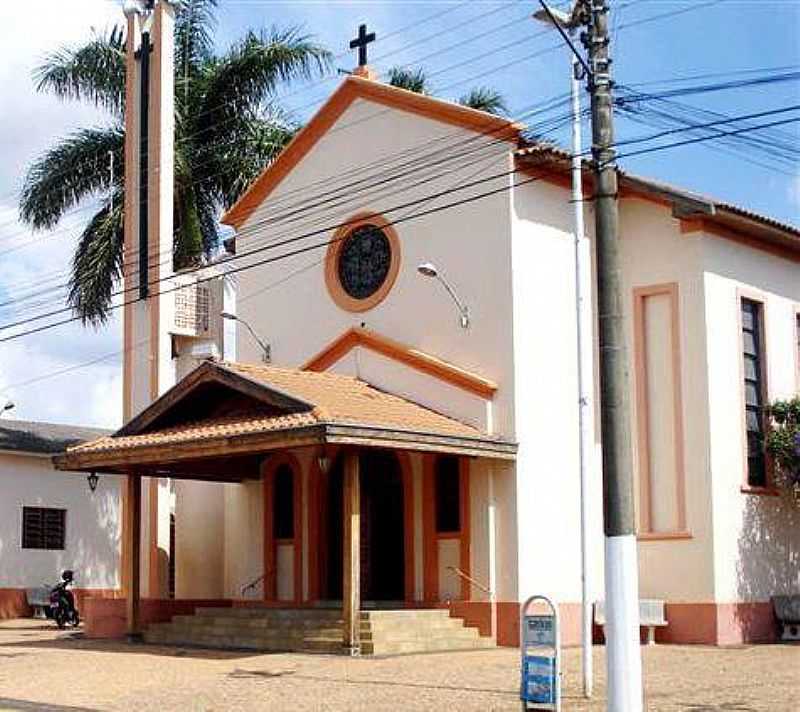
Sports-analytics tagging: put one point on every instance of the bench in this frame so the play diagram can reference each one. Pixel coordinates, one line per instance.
(787, 611)
(651, 616)
(39, 600)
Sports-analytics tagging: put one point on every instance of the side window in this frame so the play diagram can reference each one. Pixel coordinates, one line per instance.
(43, 528)
(754, 390)
(283, 503)
(448, 495)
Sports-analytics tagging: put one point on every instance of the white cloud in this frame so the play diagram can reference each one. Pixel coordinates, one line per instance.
(29, 125)
(793, 191)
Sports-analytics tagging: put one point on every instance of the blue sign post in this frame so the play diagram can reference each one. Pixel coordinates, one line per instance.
(540, 653)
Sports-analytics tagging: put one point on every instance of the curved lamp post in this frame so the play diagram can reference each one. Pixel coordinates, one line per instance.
(428, 269)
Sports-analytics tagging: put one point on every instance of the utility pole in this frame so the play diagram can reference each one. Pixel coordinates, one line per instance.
(623, 653)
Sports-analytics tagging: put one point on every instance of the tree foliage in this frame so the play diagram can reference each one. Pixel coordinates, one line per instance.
(228, 126)
(481, 98)
(783, 443)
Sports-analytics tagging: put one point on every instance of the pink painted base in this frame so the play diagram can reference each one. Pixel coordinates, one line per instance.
(106, 618)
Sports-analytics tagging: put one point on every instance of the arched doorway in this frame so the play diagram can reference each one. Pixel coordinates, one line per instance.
(382, 529)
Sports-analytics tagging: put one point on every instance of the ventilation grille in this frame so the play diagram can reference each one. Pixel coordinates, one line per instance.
(193, 308)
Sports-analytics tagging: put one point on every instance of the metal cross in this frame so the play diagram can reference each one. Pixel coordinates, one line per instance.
(361, 42)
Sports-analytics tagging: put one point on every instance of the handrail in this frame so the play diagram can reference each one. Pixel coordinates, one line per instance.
(469, 578)
(249, 586)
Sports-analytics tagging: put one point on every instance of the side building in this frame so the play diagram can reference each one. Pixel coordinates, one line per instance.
(51, 521)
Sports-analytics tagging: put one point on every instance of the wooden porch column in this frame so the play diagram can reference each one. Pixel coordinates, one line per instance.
(351, 559)
(133, 535)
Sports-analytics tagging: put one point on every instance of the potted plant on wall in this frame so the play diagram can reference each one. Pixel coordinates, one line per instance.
(783, 444)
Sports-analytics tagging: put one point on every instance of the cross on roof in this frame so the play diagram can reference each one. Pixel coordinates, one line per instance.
(361, 42)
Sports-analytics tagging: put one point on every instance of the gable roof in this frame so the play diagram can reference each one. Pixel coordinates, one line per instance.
(43, 438)
(352, 88)
(418, 360)
(718, 216)
(309, 407)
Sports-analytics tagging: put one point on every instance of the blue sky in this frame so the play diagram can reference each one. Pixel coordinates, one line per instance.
(710, 37)
(461, 45)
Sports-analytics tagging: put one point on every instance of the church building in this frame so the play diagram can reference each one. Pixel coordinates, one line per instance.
(386, 418)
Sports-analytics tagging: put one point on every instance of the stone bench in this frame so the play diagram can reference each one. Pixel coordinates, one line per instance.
(39, 601)
(651, 616)
(787, 611)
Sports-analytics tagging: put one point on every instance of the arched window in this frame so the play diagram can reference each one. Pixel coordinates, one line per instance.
(283, 503)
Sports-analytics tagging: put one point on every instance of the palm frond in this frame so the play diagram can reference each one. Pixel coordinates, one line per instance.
(485, 99)
(194, 44)
(94, 72)
(71, 171)
(253, 143)
(409, 79)
(97, 264)
(243, 79)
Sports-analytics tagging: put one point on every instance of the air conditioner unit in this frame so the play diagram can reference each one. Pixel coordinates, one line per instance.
(197, 309)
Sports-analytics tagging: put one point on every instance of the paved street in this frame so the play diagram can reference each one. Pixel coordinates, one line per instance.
(43, 669)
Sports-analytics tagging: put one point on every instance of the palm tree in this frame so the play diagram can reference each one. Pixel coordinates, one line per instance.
(228, 126)
(481, 98)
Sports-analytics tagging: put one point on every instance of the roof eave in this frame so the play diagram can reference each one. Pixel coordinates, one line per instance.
(151, 456)
(352, 88)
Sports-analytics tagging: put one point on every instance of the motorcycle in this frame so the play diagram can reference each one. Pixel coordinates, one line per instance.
(62, 602)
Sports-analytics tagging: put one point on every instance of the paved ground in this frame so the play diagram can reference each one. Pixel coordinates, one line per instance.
(43, 669)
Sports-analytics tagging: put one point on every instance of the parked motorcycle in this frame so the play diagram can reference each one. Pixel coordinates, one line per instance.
(62, 602)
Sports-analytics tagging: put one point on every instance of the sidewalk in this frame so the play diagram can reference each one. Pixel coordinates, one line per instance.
(44, 669)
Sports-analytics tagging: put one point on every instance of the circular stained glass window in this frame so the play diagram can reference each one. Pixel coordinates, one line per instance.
(364, 261)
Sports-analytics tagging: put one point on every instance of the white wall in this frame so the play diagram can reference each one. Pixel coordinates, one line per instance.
(244, 537)
(199, 539)
(546, 401)
(756, 538)
(654, 251)
(93, 524)
(470, 244)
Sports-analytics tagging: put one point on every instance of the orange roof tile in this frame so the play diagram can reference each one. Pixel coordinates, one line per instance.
(332, 399)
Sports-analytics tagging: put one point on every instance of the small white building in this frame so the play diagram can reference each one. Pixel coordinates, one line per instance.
(49, 522)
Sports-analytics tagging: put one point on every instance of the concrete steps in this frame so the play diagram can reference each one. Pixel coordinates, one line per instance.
(383, 632)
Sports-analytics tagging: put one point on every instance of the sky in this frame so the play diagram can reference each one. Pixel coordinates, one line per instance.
(460, 45)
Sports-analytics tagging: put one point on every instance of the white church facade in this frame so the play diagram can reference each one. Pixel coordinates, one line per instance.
(401, 450)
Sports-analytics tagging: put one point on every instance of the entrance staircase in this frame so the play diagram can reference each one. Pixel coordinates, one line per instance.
(317, 630)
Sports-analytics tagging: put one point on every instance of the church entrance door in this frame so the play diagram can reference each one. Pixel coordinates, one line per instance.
(382, 536)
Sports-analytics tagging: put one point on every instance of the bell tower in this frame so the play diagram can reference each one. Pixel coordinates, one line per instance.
(148, 368)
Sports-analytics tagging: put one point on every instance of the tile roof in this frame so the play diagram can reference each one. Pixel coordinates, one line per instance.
(44, 438)
(332, 399)
(553, 152)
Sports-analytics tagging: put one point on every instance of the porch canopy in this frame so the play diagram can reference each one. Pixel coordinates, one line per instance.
(221, 421)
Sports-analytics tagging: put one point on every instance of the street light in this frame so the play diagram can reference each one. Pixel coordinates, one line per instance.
(266, 350)
(568, 21)
(92, 479)
(427, 269)
(8, 406)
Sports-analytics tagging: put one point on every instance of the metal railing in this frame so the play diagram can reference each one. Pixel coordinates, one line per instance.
(469, 578)
(252, 585)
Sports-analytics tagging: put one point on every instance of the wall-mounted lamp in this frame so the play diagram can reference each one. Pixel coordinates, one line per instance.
(92, 479)
(427, 269)
(324, 463)
(266, 349)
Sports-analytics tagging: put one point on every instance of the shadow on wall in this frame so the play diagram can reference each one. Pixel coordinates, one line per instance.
(769, 557)
(92, 548)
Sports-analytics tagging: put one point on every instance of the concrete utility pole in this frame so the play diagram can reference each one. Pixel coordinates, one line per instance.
(623, 654)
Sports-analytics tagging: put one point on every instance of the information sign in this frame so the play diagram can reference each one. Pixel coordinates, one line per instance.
(540, 648)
